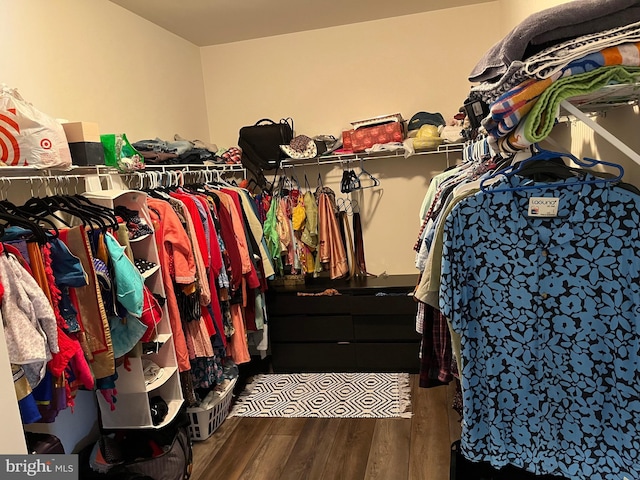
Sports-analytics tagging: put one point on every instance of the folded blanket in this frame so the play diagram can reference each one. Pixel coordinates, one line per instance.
(507, 111)
(575, 18)
(537, 125)
(553, 59)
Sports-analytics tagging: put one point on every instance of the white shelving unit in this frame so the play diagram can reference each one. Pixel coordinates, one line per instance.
(133, 398)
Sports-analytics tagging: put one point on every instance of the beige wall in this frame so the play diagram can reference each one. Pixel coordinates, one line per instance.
(327, 78)
(95, 61)
(512, 12)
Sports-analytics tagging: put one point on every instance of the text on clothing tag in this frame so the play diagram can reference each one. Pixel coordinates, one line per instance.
(543, 206)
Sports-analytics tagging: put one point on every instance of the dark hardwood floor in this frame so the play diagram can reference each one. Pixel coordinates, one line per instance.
(416, 448)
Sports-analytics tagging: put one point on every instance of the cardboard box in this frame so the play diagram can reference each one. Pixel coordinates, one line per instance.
(81, 132)
(87, 153)
(367, 137)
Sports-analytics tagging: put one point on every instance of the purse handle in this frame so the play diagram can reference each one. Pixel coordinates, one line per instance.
(288, 121)
(268, 120)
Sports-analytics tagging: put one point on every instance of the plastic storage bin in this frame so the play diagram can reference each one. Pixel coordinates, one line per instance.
(206, 421)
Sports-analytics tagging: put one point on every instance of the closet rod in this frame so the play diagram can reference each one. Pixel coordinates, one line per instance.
(599, 129)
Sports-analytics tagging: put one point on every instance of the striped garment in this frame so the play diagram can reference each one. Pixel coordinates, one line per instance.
(537, 125)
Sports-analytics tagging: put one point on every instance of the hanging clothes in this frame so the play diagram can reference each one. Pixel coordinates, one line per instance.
(535, 302)
(175, 255)
(30, 324)
(331, 250)
(95, 336)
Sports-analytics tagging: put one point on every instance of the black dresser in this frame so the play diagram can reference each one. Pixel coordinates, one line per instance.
(370, 327)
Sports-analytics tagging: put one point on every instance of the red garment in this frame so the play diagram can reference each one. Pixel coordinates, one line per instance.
(170, 235)
(226, 229)
(214, 246)
(214, 270)
(71, 353)
(252, 276)
(194, 213)
(238, 347)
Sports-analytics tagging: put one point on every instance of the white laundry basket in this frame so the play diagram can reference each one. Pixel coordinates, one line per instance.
(205, 421)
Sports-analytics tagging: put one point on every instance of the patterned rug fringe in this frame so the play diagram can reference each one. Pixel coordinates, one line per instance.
(405, 397)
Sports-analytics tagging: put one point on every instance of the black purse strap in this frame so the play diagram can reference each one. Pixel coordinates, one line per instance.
(267, 120)
(288, 121)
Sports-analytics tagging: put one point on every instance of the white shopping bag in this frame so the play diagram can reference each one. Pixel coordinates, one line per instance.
(29, 137)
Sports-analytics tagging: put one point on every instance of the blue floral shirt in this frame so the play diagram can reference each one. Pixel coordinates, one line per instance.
(548, 310)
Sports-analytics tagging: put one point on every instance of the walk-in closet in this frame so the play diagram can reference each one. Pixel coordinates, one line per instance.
(280, 241)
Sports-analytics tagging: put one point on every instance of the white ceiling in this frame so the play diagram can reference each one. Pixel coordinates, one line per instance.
(212, 22)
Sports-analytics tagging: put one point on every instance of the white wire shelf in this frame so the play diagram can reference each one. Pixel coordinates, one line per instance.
(221, 167)
(75, 170)
(351, 157)
(607, 97)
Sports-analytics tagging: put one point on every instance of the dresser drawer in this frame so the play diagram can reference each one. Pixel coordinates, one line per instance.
(389, 327)
(311, 328)
(313, 357)
(373, 305)
(388, 357)
(292, 305)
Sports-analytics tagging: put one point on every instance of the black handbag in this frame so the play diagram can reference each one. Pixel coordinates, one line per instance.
(260, 144)
(43, 443)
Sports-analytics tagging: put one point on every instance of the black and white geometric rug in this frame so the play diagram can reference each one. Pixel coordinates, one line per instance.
(326, 395)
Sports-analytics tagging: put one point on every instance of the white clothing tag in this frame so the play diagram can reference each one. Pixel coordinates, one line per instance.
(543, 206)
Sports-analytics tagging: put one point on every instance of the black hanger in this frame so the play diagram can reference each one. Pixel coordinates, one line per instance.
(39, 233)
(106, 214)
(48, 206)
(306, 183)
(11, 209)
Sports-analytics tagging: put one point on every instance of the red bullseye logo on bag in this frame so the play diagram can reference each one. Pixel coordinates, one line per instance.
(9, 147)
(29, 136)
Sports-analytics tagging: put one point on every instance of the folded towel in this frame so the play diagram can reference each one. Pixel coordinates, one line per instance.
(553, 59)
(537, 125)
(575, 18)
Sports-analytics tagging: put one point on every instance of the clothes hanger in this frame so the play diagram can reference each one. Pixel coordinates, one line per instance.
(545, 155)
(107, 214)
(11, 209)
(40, 234)
(347, 205)
(307, 185)
(367, 177)
(40, 207)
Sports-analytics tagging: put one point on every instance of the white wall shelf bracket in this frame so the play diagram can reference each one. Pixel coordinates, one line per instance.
(600, 130)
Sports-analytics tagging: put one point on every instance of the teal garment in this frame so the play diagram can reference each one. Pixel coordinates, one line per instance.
(271, 234)
(128, 280)
(125, 334)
